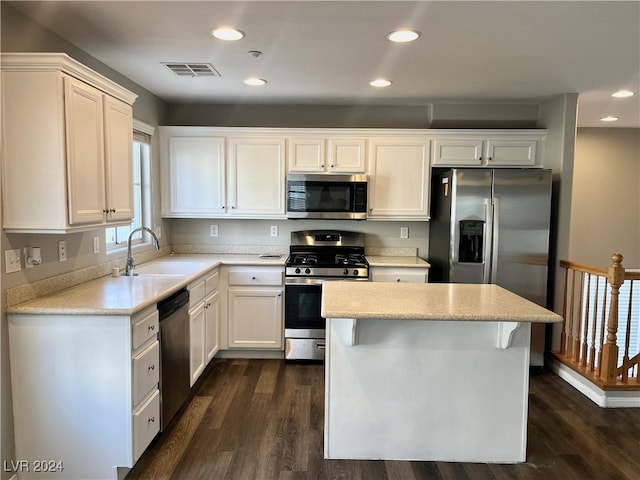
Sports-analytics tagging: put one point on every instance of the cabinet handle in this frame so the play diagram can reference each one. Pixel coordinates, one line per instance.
(113, 210)
(398, 280)
(322, 165)
(105, 211)
(151, 420)
(332, 166)
(151, 328)
(490, 158)
(253, 278)
(151, 368)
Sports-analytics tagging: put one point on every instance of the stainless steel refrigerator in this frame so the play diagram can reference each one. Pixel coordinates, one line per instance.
(492, 226)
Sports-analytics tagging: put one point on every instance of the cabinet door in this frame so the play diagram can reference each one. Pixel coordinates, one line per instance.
(196, 336)
(256, 177)
(196, 172)
(85, 152)
(255, 318)
(118, 138)
(211, 328)
(457, 152)
(399, 184)
(347, 155)
(511, 152)
(306, 155)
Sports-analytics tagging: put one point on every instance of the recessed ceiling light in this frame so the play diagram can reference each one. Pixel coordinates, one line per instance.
(608, 119)
(227, 33)
(255, 82)
(402, 36)
(380, 82)
(622, 94)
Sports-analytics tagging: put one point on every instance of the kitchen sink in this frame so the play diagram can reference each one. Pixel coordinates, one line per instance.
(176, 267)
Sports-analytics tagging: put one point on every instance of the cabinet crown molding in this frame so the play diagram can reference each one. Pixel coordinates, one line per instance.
(61, 62)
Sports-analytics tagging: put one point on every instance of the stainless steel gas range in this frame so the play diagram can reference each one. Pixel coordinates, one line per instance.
(316, 256)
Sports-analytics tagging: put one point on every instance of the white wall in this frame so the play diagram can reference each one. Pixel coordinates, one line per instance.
(606, 187)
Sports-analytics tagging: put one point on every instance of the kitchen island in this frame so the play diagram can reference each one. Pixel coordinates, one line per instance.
(434, 372)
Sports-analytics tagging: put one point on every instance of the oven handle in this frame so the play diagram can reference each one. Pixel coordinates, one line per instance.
(320, 281)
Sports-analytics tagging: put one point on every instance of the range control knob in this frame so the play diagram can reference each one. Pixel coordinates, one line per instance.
(307, 271)
(297, 270)
(346, 271)
(355, 273)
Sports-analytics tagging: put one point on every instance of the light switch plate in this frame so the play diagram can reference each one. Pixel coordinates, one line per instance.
(404, 232)
(96, 245)
(213, 230)
(274, 230)
(12, 260)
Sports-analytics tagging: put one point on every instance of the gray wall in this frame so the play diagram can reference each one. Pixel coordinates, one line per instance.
(605, 186)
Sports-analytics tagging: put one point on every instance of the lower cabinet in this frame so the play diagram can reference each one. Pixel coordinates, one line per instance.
(85, 391)
(204, 322)
(399, 274)
(254, 308)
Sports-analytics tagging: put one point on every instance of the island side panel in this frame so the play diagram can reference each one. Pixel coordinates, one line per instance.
(426, 390)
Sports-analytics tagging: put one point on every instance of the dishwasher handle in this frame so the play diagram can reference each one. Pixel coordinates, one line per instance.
(169, 305)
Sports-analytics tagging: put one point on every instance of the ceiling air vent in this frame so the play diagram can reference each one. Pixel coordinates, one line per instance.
(192, 69)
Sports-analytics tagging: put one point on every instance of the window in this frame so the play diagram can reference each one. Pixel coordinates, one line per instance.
(116, 237)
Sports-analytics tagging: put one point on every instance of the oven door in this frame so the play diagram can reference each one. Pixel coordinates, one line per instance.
(302, 311)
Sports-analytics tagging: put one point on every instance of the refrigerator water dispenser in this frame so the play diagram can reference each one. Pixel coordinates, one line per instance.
(471, 243)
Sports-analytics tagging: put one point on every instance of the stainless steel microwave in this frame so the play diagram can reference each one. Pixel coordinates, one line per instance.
(327, 196)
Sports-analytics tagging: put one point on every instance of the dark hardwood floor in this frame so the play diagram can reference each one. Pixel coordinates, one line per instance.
(263, 419)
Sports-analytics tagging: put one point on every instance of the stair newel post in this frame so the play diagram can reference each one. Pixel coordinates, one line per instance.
(610, 348)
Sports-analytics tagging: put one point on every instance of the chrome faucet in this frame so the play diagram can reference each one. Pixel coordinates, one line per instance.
(129, 272)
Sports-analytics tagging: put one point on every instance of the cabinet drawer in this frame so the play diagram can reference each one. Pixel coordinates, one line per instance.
(196, 293)
(255, 277)
(211, 283)
(146, 369)
(144, 327)
(400, 276)
(146, 424)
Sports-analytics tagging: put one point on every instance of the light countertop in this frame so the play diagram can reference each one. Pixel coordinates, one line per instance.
(129, 295)
(394, 261)
(429, 301)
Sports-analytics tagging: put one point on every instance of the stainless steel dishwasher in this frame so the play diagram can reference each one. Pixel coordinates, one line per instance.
(174, 354)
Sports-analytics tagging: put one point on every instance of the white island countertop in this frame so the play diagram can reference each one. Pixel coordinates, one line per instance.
(429, 301)
(396, 261)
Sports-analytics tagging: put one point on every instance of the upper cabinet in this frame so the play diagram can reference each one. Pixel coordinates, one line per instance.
(399, 178)
(327, 155)
(68, 162)
(212, 173)
(488, 148)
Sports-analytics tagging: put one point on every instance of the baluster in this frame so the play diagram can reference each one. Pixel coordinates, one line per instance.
(578, 321)
(610, 348)
(592, 349)
(571, 307)
(563, 334)
(625, 358)
(585, 328)
(603, 322)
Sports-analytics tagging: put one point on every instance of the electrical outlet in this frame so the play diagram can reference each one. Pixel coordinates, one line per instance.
(12, 260)
(274, 230)
(404, 232)
(96, 245)
(213, 230)
(62, 251)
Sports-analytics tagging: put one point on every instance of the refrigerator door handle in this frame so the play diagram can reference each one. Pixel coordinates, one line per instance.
(495, 227)
(488, 215)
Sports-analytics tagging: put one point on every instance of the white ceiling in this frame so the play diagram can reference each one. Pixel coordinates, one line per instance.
(327, 52)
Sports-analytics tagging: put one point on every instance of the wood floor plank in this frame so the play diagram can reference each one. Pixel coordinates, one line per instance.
(264, 419)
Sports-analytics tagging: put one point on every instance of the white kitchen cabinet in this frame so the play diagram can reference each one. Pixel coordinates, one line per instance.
(399, 178)
(255, 308)
(399, 274)
(209, 172)
(256, 177)
(327, 155)
(193, 174)
(204, 318)
(85, 390)
(471, 148)
(68, 161)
